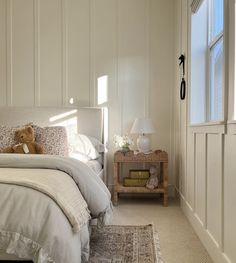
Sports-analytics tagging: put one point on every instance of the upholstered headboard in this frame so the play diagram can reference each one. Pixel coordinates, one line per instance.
(89, 120)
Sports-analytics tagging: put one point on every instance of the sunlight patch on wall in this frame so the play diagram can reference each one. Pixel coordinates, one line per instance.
(102, 88)
(62, 115)
(67, 119)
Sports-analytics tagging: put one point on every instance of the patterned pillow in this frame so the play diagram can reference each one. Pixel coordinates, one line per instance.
(54, 140)
(7, 136)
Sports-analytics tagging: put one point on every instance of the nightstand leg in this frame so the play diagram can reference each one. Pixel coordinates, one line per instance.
(115, 194)
(165, 184)
(115, 198)
(165, 199)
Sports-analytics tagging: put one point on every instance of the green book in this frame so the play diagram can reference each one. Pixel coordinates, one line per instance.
(134, 182)
(139, 174)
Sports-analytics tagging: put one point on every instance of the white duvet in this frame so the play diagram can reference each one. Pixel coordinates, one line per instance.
(32, 225)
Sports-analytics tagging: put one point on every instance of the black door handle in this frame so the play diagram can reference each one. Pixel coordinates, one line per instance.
(183, 89)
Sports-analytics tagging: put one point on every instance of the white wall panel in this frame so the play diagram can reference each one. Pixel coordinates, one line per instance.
(104, 46)
(78, 26)
(104, 60)
(161, 72)
(200, 178)
(3, 54)
(214, 186)
(230, 197)
(22, 52)
(50, 44)
(132, 59)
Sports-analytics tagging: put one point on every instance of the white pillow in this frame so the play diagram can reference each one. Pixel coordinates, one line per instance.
(97, 144)
(80, 143)
(80, 156)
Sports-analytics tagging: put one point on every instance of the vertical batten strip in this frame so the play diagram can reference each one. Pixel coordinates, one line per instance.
(36, 55)
(194, 172)
(119, 87)
(64, 26)
(222, 162)
(117, 68)
(147, 90)
(92, 86)
(9, 52)
(6, 88)
(206, 179)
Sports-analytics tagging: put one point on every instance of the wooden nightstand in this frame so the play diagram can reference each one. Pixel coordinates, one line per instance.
(158, 156)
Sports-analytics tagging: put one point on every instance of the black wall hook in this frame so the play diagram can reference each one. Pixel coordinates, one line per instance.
(183, 82)
(182, 61)
(183, 89)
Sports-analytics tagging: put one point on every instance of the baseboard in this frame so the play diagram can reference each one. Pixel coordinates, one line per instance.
(214, 251)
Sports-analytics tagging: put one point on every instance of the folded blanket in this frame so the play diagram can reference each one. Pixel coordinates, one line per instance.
(92, 188)
(57, 185)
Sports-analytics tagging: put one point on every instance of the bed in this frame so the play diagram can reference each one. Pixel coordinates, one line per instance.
(41, 194)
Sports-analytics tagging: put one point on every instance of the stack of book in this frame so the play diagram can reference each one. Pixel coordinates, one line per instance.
(137, 178)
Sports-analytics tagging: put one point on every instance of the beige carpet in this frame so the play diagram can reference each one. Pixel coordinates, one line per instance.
(124, 244)
(179, 243)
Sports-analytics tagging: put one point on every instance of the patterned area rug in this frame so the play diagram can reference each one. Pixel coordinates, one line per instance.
(125, 244)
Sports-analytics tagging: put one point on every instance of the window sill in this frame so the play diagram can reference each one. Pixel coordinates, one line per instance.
(218, 127)
(231, 122)
(210, 123)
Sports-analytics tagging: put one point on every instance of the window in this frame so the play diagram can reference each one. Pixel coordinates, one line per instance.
(207, 62)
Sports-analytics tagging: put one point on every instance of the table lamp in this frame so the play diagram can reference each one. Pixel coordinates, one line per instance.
(143, 126)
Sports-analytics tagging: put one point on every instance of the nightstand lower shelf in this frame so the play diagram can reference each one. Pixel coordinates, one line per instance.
(138, 189)
(119, 188)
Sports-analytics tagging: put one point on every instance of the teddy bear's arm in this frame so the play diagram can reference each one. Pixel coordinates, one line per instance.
(7, 150)
(39, 148)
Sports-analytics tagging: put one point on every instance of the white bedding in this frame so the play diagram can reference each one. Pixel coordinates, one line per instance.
(30, 220)
(95, 165)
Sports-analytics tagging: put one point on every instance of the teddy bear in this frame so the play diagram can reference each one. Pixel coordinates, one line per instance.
(25, 140)
(153, 179)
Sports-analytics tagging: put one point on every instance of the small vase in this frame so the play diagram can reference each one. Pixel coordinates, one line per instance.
(125, 149)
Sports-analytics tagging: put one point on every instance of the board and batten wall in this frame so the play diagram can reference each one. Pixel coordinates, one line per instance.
(205, 159)
(54, 50)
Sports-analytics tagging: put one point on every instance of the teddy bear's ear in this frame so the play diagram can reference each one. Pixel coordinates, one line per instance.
(17, 133)
(29, 129)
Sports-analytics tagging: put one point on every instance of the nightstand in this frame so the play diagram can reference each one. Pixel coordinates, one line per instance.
(156, 157)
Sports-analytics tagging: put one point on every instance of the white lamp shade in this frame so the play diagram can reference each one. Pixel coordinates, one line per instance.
(143, 126)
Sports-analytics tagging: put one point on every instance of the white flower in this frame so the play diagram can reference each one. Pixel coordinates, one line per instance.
(122, 141)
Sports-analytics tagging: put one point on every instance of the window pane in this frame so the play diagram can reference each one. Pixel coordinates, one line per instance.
(216, 81)
(199, 47)
(217, 17)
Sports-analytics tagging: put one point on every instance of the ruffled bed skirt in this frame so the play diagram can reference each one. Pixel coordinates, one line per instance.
(23, 247)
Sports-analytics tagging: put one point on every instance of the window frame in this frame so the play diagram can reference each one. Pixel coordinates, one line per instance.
(210, 45)
(212, 42)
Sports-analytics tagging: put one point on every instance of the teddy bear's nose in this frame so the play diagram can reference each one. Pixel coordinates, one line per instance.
(22, 136)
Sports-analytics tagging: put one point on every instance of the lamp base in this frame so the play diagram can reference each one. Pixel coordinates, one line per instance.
(143, 143)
